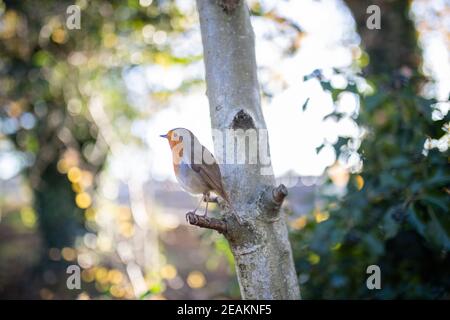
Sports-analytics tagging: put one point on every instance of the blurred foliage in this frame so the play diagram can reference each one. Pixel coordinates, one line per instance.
(65, 108)
(387, 197)
(395, 210)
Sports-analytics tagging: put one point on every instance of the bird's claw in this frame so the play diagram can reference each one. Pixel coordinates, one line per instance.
(190, 217)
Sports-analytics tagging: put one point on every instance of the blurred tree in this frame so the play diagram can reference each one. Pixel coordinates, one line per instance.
(49, 76)
(392, 46)
(27, 95)
(395, 210)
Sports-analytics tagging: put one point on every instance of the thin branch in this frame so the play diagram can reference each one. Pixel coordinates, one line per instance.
(205, 222)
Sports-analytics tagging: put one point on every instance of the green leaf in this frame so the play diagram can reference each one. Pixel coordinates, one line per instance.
(305, 104)
(437, 232)
(415, 221)
(436, 201)
(399, 161)
(352, 88)
(440, 178)
(424, 105)
(390, 226)
(342, 141)
(326, 86)
(372, 102)
(145, 295)
(375, 245)
(320, 148)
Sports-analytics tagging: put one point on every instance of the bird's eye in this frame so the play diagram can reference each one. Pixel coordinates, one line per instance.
(175, 135)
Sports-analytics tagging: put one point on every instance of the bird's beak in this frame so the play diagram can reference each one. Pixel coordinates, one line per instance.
(163, 136)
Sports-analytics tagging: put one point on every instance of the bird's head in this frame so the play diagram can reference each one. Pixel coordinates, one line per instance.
(177, 135)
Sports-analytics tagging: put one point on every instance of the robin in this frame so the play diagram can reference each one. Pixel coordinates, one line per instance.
(195, 167)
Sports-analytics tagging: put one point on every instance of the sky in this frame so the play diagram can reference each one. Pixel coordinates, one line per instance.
(327, 25)
(329, 41)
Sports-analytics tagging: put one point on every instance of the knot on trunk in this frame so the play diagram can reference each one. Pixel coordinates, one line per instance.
(270, 201)
(228, 6)
(279, 193)
(242, 120)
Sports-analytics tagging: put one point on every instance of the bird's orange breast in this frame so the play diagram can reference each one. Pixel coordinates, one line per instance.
(176, 168)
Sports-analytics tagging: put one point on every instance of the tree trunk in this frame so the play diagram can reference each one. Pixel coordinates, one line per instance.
(395, 44)
(260, 244)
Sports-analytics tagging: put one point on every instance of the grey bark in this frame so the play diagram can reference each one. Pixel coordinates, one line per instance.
(260, 244)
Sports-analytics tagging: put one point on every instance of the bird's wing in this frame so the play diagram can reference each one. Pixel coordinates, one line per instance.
(210, 173)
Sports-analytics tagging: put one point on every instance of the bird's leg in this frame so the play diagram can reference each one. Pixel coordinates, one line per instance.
(198, 206)
(195, 210)
(206, 197)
